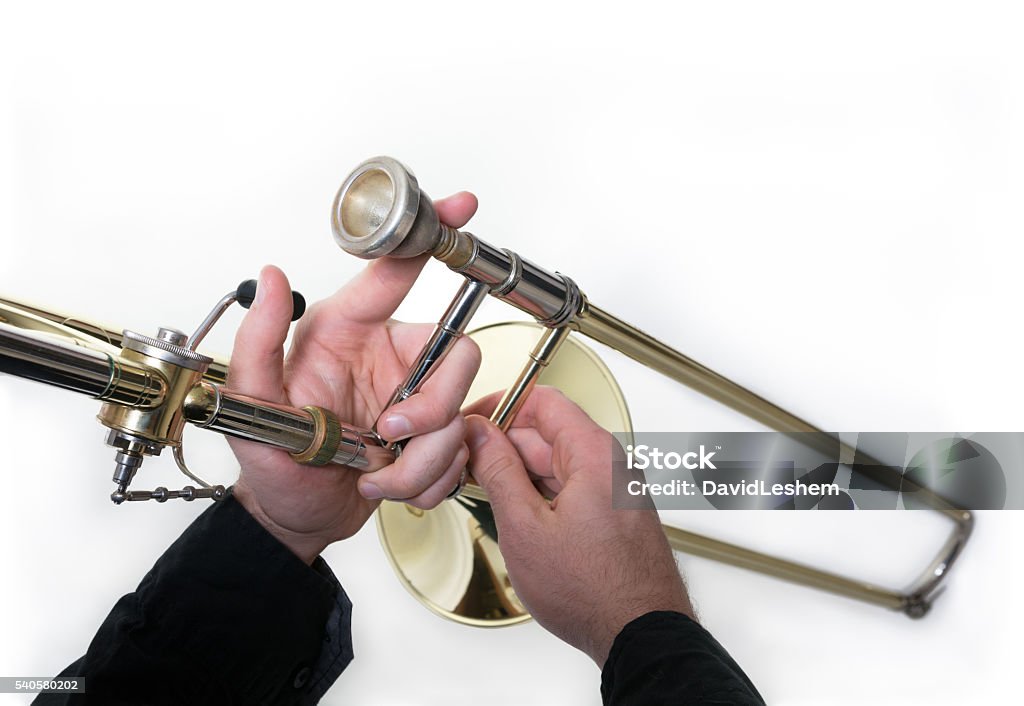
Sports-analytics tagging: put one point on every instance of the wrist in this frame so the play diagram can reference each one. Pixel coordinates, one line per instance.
(303, 545)
(603, 636)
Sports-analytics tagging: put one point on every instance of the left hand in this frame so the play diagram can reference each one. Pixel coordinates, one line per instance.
(348, 356)
(583, 569)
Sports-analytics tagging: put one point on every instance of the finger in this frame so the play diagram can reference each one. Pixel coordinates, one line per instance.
(257, 362)
(457, 209)
(498, 469)
(549, 411)
(546, 409)
(587, 451)
(449, 480)
(484, 406)
(425, 459)
(373, 295)
(440, 398)
(551, 414)
(535, 452)
(549, 488)
(530, 445)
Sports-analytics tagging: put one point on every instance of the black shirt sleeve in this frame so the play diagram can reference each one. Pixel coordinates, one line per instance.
(667, 658)
(228, 615)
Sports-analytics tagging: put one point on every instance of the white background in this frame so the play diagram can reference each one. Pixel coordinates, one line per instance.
(818, 200)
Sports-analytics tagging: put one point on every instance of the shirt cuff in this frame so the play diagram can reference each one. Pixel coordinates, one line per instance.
(666, 657)
(337, 651)
(248, 614)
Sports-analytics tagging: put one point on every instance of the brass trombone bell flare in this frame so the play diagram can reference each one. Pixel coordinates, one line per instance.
(448, 557)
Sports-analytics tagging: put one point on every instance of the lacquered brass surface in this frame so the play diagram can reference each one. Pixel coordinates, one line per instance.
(598, 324)
(448, 557)
(449, 562)
(162, 424)
(326, 438)
(81, 331)
(540, 357)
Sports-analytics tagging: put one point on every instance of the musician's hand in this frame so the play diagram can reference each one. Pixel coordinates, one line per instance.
(348, 356)
(581, 568)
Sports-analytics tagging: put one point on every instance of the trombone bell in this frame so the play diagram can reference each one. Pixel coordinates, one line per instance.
(448, 557)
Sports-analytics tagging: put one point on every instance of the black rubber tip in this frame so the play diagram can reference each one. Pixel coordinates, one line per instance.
(246, 293)
(298, 305)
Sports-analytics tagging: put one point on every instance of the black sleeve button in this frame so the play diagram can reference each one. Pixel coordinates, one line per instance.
(302, 676)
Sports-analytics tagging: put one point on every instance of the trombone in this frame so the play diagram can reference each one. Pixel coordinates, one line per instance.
(152, 386)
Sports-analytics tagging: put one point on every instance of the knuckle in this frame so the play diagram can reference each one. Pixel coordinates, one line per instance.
(496, 465)
(461, 457)
(549, 394)
(401, 485)
(416, 475)
(426, 501)
(438, 492)
(433, 413)
(495, 472)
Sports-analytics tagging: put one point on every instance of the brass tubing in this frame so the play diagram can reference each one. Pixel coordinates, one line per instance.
(12, 312)
(515, 396)
(295, 430)
(598, 324)
(616, 333)
(53, 361)
(602, 326)
(88, 329)
(699, 545)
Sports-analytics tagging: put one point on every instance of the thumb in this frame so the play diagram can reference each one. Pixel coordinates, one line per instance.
(499, 470)
(257, 361)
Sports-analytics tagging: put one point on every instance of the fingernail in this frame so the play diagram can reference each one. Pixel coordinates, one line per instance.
(396, 426)
(261, 290)
(370, 491)
(477, 434)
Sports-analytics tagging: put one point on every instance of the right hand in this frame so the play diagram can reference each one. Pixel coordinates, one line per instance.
(583, 569)
(348, 356)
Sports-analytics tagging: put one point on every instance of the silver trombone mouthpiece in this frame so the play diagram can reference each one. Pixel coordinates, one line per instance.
(380, 210)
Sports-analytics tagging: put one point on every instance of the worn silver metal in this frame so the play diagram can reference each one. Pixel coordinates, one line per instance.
(212, 318)
(178, 453)
(374, 216)
(172, 336)
(379, 210)
(209, 406)
(166, 351)
(131, 451)
(515, 275)
(161, 494)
